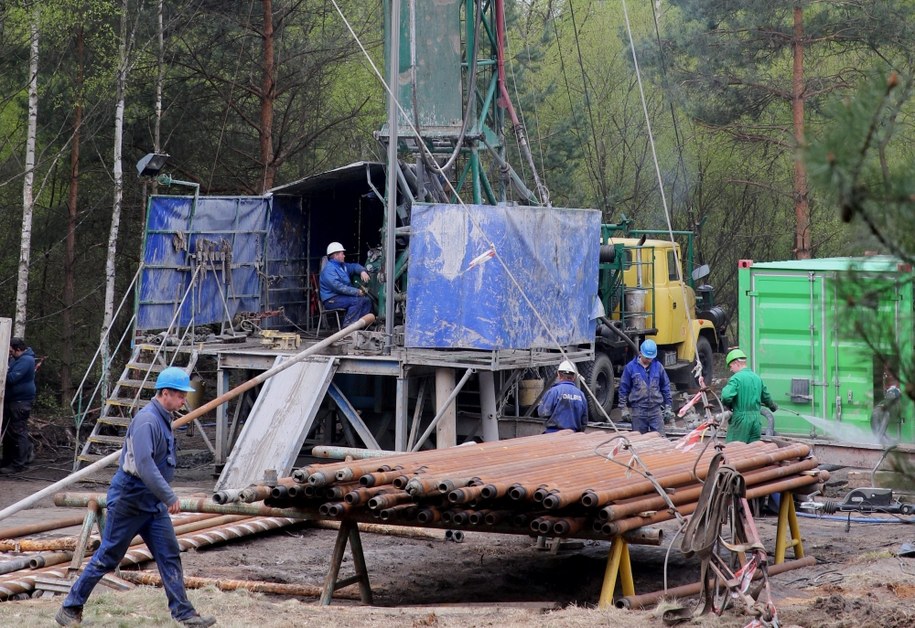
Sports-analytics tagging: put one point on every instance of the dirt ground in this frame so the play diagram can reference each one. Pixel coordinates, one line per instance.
(488, 579)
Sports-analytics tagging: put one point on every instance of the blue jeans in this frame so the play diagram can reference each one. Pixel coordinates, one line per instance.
(155, 528)
(646, 421)
(356, 307)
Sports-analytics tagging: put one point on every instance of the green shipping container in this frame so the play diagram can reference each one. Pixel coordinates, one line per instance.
(826, 335)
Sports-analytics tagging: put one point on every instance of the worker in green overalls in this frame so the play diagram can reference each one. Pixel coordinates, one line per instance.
(744, 394)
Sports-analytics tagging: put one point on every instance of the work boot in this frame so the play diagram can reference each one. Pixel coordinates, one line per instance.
(199, 621)
(68, 616)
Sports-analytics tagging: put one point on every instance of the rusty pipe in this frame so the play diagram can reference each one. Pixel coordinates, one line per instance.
(595, 498)
(48, 559)
(11, 532)
(149, 578)
(646, 599)
(622, 525)
(190, 504)
(691, 493)
(44, 545)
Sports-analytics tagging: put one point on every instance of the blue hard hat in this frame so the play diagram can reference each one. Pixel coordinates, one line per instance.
(174, 378)
(649, 349)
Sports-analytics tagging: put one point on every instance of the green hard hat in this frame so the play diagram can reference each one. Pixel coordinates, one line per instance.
(735, 354)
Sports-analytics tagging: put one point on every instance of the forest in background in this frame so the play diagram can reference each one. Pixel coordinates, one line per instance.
(774, 123)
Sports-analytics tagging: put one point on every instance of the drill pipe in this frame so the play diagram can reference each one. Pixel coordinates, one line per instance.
(350, 470)
(410, 532)
(495, 454)
(691, 493)
(46, 559)
(149, 578)
(597, 497)
(338, 491)
(558, 470)
(190, 504)
(44, 545)
(619, 526)
(388, 499)
(11, 532)
(15, 564)
(646, 599)
(22, 583)
(430, 514)
(37, 496)
(363, 495)
(546, 465)
(658, 464)
(380, 477)
(405, 512)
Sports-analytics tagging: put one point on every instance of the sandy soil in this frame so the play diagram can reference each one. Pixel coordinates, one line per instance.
(493, 579)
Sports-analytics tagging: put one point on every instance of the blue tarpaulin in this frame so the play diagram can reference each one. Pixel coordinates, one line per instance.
(551, 253)
(248, 256)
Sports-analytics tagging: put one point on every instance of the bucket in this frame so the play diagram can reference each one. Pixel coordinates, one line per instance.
(635, 308)
(529, 390)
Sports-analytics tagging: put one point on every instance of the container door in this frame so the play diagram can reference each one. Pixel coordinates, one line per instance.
(786, 348)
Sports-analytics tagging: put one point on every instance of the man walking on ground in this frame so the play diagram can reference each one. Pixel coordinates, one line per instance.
(336, 291)
(140, 501)
(564, 404)
(744, 394)
(17, 406)
(644, 391)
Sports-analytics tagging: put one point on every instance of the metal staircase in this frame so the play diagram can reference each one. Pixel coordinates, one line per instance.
(133, 390)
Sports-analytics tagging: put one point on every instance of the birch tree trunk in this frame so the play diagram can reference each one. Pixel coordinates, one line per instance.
(118, 175)
(28, 199)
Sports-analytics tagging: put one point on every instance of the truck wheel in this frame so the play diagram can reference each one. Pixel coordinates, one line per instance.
(598, 375)
(705, 353)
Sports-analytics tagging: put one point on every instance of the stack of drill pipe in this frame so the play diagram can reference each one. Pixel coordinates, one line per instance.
(563, 484)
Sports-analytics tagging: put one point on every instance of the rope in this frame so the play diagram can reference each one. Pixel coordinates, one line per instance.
(654, 156)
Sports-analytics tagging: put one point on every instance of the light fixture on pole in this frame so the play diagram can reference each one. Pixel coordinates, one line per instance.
(151, 164)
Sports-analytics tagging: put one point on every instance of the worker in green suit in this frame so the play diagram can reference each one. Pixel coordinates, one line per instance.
(744, 394)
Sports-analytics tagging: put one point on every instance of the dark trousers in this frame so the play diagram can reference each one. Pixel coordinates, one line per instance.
(17, 448)
(644, 421)
(356, 307)
(156, 530)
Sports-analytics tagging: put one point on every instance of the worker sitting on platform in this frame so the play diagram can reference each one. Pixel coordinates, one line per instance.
(564, 404)
(336, 291)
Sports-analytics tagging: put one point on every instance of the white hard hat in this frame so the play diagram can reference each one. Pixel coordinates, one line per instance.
(334, 247)
(567, 367)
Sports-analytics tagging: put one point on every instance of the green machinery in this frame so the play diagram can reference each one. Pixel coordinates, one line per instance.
(833, 340)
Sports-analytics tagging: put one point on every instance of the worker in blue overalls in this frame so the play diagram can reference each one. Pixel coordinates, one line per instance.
(644, 391)
(336, 291)
(140, 501)
(564, 405)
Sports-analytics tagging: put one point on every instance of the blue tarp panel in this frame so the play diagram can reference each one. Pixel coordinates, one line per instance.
(177, 233)
(552, 254)
(287, 263)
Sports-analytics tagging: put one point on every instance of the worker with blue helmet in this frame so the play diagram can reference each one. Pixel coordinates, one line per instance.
(140, 501)
(644, 391)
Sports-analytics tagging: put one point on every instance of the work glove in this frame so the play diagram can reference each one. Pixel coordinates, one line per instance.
(625, 413)
(668, 413)
(773, 406)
